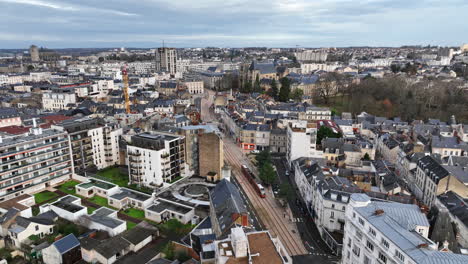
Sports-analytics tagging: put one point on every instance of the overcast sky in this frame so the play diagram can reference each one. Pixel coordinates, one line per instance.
(232, 23)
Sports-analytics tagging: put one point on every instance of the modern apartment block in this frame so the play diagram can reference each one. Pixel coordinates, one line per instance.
(30, 163)
(166, 60)
(383, 232)
(93, 143)
(302, 139)
(155, 158)
(111, 133)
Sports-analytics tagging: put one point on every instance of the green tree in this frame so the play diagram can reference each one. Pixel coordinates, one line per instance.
(247, 87)
(326, 132)
(395, 68)
(366, 157)
(257, 88)
(263, 157)
(285, 89)
(168, 251)
(30, 68)
(267, 174)
(273, 92)
(101, 59)
(297, 95)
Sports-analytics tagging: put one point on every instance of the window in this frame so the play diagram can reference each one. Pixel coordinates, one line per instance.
(358, 235)
(372, 231)
(399, 256)
(333, 206)
(354, 215)
(370, 246)
(349, 242)
(37, 228)
(385, 243)
(356, 250)
(332, 214)
(361, 221)
(367, 260)
(382, 258)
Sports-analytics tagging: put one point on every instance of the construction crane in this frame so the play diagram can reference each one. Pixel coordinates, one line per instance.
(125, 89)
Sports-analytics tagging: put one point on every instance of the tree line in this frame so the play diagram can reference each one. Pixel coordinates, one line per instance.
(397, 96)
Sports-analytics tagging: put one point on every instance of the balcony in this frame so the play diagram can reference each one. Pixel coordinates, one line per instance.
(134, 154)
(135, 166)
(42, 182)
(31, 164)
(40, 175)
(33, 147)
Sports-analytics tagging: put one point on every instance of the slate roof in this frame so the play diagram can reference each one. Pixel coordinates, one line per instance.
(445, 142)
(106, 248)
(443, 231)
(312, 169)
(8, 113)
(263, 68)
(456, 205)
(137, 234)
(226, 201)
(66, 243)
(436, 171)
(11, 213)
(461, 173)
(398, 222)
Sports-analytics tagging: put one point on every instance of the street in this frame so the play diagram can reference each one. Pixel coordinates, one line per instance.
(309, 233)
(270, 213)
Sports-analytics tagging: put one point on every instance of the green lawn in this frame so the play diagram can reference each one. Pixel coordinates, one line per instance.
(130, 225)
(91, 210)
(44, 196)
(68, 187)
(99, 201)
(136, 213)
(114, 175)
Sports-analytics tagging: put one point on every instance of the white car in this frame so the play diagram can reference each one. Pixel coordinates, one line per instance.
(255, 151)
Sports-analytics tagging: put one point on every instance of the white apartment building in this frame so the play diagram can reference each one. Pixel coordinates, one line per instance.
(101, 88)
(156, 159)
(301, 141)
(33, 162)
(93, 142)
(111, 133)
(307, 68)
(382, 232)
(142, 67)
(194, 86)
(39, 76)
(315, 114)
(11, 79)
(58, 99)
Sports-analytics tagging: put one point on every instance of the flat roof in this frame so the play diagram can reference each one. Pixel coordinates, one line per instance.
(101, 216)
(96, 183)
(162, 205)
(127, 193)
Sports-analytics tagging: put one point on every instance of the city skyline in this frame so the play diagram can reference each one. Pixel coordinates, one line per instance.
(237, 23)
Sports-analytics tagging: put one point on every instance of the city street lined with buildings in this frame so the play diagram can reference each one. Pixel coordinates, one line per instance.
(275, 217)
